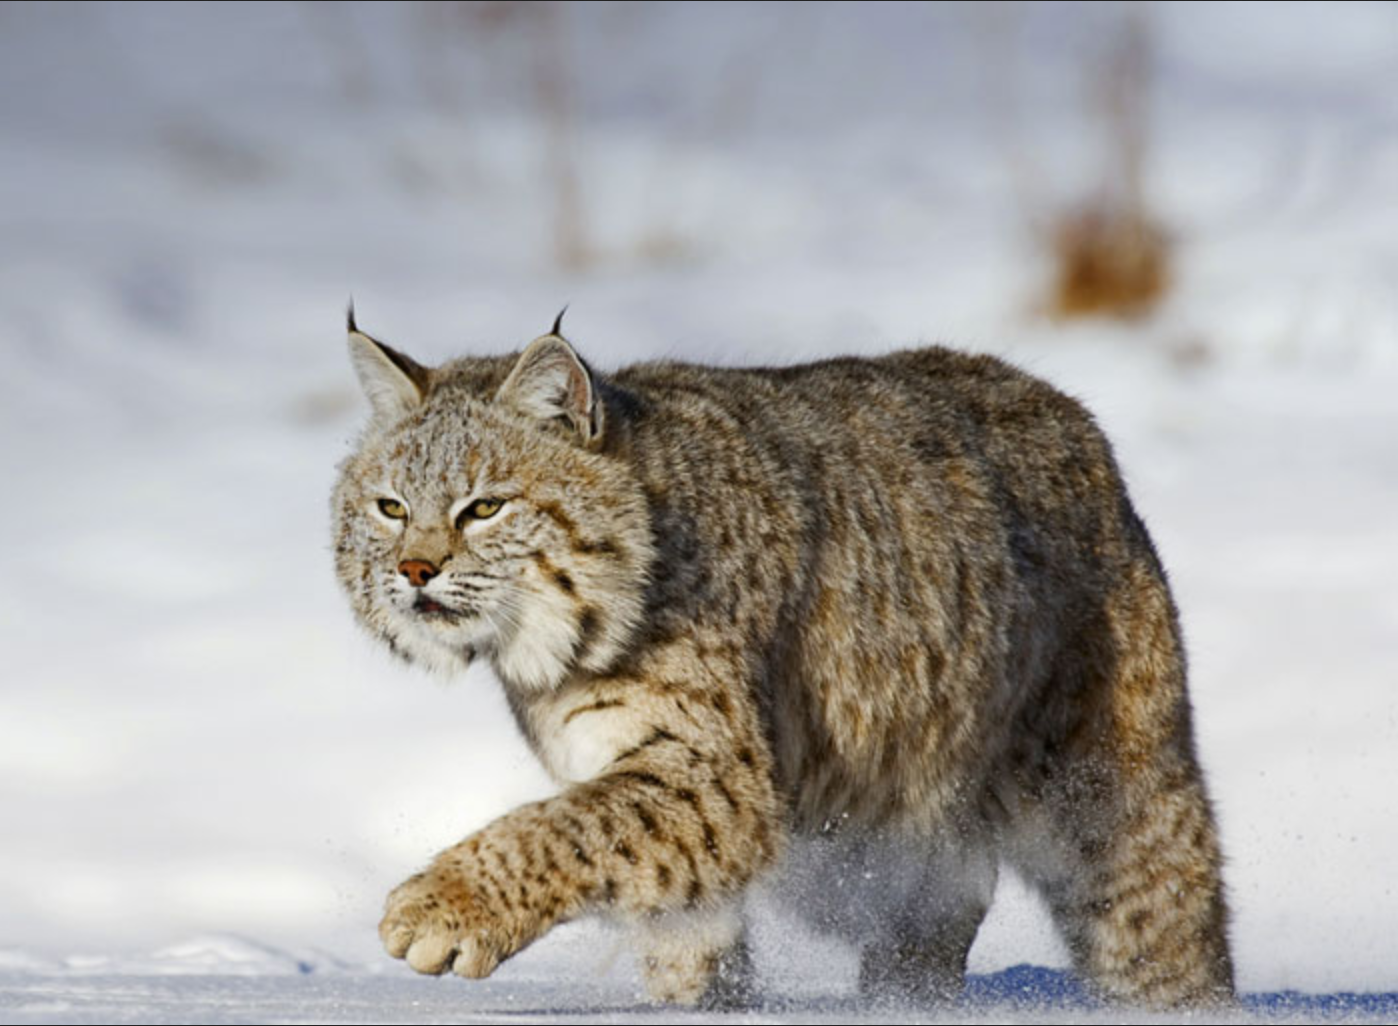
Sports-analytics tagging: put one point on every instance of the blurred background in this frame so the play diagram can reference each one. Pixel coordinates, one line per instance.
(1184, 214)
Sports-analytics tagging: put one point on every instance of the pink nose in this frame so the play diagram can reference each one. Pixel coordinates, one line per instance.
(417, 571)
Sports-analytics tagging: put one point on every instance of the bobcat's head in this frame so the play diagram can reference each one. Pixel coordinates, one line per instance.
(482, 513)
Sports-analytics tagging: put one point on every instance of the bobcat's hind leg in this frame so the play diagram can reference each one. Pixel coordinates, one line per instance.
(1145, 918)
(698, 958)
(1137, 887)
(922, 958)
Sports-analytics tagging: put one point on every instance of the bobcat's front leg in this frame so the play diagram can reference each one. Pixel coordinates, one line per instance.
(673, 811)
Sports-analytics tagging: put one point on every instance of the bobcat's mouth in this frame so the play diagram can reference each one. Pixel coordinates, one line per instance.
(431, 608)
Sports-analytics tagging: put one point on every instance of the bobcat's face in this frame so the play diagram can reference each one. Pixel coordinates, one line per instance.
(443, 539)
(473, 526)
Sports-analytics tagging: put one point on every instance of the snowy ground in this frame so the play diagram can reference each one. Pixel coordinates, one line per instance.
(223, 980)
(198, 755)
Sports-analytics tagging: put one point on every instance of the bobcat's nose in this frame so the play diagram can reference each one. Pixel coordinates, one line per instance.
(417, 571)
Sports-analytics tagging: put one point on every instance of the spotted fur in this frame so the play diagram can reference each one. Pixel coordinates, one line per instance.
(889, 618)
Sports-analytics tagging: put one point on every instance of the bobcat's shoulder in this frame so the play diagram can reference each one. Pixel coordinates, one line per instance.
(891, 612)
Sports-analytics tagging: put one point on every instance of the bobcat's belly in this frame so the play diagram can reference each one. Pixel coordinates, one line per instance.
(862, 886)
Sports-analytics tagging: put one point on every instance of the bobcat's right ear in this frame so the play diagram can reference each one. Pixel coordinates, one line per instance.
(394, 383)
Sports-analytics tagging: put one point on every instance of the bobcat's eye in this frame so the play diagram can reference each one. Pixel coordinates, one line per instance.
(481, 509)
(393, 509)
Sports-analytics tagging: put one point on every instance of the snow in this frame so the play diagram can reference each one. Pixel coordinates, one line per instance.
(208, 780)
(218, 979)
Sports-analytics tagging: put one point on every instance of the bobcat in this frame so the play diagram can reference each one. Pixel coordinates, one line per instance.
(888, 617)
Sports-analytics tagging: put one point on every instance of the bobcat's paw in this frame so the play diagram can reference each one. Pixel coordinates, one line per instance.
(436, 921)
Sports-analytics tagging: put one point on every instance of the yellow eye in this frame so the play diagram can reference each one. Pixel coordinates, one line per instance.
(481, 509)
(393, 509)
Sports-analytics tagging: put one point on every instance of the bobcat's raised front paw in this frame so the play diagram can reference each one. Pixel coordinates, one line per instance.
(436, 921)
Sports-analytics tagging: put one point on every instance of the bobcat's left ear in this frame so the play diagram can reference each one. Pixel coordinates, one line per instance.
(551, 382)
(394, 383)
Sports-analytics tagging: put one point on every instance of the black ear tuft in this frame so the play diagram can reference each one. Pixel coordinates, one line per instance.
(349, 317)
(557, 329)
